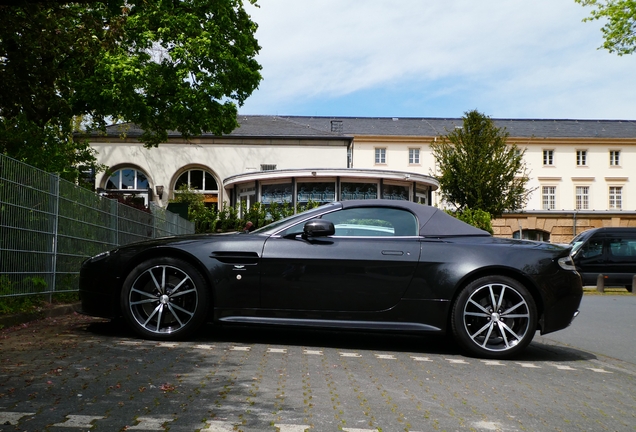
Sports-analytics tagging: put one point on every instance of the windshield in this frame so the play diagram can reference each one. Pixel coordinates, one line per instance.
(577, 243)
(290, 220)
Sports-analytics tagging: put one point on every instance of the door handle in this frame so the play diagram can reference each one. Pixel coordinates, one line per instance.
(392, 252)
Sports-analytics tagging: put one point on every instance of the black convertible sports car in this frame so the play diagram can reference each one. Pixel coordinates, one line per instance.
(364, 264)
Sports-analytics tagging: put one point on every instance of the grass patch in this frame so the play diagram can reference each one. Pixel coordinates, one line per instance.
(591, 290)
(34, 303)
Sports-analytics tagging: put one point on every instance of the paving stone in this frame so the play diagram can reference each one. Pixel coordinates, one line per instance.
(77, 373)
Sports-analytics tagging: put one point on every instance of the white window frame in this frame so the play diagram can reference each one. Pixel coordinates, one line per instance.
(189, 177)
(582, 197)
(548, 157)
(135, 189)
(615, 158)
(380, 155)
(247, 195)
(548, 197)
(581, 158)
(414, 156)
(615, 195)
(136, 181)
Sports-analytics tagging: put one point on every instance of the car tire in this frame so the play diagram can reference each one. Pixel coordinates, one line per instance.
(494, 317)
(164, 299)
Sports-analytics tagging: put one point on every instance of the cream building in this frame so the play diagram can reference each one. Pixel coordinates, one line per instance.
(582, 171)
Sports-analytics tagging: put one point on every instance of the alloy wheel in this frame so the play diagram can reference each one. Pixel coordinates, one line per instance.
(163, 299)
(496, 317)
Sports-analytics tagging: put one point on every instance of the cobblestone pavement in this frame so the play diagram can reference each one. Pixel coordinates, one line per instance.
(75, 373)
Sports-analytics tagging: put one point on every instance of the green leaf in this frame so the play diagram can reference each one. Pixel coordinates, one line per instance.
(619, 30)
(183, 66)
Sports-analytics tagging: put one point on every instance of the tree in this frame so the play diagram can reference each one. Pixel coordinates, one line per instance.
(477, 218)
(44, 51)
(619, 31)
(179, 65)
(478, 170)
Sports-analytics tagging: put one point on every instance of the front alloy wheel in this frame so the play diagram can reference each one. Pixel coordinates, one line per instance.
(164, 298)
(494, 317)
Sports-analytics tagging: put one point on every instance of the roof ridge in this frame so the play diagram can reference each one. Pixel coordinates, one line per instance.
(538, 119)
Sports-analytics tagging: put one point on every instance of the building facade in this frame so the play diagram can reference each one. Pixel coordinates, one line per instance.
(582, 172)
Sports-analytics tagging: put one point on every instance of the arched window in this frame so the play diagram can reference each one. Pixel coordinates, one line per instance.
(200, 181)
(131, 183)
(127, 179)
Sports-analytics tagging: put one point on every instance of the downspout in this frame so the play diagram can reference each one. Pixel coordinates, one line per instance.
(294, 194)
(574, 223)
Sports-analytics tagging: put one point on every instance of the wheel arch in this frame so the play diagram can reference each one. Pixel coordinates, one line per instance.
(500, 271)
(168, 252)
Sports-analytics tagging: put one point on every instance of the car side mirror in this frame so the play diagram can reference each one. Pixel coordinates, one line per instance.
(318, 228)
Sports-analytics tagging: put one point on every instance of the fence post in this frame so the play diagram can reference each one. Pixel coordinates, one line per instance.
(114, 217)
(56, 220)
(154, 213)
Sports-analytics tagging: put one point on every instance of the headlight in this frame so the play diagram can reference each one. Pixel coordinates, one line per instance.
(100, 256)
(566, 263)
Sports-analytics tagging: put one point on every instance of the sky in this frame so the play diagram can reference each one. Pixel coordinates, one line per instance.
(437, 58)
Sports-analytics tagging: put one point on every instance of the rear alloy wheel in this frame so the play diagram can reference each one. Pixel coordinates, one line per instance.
(165, 299)
(494, 317)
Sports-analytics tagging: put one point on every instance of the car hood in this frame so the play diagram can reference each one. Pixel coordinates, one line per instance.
(184, 240)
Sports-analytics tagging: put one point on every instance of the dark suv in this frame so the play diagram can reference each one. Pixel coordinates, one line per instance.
(607, 251)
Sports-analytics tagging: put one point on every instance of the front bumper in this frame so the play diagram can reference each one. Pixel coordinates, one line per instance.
(562, 295)
(99, 290)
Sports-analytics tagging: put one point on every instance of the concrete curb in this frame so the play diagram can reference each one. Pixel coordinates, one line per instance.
(21, 318)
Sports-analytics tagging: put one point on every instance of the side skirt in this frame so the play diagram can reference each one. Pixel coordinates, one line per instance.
(363, 325)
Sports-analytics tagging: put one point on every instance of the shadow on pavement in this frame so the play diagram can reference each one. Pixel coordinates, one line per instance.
(540, 350)
(544, 351)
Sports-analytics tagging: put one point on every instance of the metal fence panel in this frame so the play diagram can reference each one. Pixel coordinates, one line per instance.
(48, 226)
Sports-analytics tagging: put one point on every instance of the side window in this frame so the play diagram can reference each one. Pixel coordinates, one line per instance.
(623, 249)
(373, 222)
(294, 229)
(593, 249)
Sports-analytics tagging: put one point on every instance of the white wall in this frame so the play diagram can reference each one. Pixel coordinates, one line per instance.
(598, 175)
(165, 163)
(225, 159)
(564, 174)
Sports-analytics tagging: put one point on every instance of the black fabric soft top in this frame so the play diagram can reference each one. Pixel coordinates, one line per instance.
(433, 221)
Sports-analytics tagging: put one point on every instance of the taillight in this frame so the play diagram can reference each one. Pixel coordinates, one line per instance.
(566, 263)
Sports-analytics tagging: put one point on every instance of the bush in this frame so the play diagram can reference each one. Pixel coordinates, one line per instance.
(17, 304)
(208, 219)
(477, 218)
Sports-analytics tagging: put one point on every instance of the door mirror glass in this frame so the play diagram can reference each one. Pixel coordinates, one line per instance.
(318, 228)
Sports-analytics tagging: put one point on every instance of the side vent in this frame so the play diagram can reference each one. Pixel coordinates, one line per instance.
(235, 257)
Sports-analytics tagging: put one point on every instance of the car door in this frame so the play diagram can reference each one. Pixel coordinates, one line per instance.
(366, 266)
(591, 258)
(234, 267)
(621, 258)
